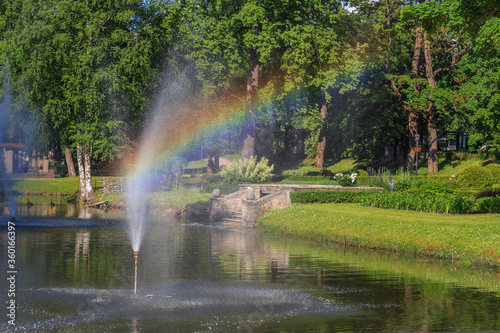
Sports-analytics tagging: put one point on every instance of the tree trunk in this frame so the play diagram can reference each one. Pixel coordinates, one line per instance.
(89, 190)
(81, 170)
(84, 168)
(69, 162)
(319, 160)
(249, 131)
(412, 132)
(412, 117)
(431, 111)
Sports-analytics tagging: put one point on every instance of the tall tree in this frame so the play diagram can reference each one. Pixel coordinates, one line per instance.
(74, 59)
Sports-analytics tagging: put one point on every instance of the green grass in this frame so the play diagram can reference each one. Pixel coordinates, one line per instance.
(307, 165)
(177, 199)
(475, 238)
(203, 163)
(52, 185)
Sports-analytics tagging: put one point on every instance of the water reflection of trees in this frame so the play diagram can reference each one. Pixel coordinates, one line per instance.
(398, 293)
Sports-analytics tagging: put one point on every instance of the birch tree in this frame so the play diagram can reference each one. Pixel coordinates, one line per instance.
(86, 65)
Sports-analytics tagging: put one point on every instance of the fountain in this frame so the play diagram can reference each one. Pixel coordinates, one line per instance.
(153, 155)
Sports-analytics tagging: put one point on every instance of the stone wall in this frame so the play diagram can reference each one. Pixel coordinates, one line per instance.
(253, 200)
(253, 209)
(224, 207)
(111, 185)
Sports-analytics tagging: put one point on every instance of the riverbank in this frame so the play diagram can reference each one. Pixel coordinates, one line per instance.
(473, 239)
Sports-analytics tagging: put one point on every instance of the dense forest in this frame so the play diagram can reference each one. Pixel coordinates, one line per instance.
(309, 78)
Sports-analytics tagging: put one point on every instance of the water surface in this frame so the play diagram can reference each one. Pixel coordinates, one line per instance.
(77, 275)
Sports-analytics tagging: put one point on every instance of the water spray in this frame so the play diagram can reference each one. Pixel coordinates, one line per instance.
(136, 257)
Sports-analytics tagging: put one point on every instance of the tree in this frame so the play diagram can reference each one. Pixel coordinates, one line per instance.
(439, 46)
(312, 37)
(74, 59)
(478, 101)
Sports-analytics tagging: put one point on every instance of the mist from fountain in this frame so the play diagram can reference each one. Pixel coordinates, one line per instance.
(152, 155)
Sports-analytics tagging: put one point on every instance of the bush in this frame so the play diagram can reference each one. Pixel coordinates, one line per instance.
(402, 184)
(494, 169)
(435, 187)
(423, 203)
(486, 193)
(60, 169)
(489, 205)
(211, 178)
(248, 171)
(318, 196)
(305, 179)
(346, 179)
(475, 176)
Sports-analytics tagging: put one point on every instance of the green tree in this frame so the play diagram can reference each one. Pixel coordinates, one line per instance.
(88, 65)
(479, 102)
(427, 89)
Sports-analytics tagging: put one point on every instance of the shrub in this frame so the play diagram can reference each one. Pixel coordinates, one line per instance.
(489, 205)
(424, 203)
(248, 171)
(317, 196)
(490, 192)
(346, 179)
(475, 176)
(494, 169)
(211, 178)
(60, 169)
(305, 178)
(402, 184)
(435, 187)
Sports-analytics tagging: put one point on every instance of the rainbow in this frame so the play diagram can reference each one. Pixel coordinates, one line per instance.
(172, 129)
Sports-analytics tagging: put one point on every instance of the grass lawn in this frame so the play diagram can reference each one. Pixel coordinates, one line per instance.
(472, 237)
(307, 165)
(50, 185)
(177, 199)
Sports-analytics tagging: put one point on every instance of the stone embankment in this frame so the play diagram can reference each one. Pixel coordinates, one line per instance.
(254, 200)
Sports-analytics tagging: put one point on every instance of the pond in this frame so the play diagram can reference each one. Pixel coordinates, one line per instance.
(77, 275)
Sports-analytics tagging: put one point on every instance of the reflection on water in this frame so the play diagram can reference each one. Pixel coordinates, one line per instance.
(43, 208)
(211, 278)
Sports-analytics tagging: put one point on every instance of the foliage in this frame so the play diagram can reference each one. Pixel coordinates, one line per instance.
(402, 184)
(494, 169)
(489, 205)
(305, 178)
(424, 203)
(475, 176)
(317, 196)
(383, 199)
(89, 71)
(485, 193)
(435, 187)
(60, 169)
(346, 179)
(248, 171)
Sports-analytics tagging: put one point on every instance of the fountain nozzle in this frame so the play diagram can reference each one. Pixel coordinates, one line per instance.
(136, 257)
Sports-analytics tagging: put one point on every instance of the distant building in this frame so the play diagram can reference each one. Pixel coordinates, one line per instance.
(453, 141)
(14, 159)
